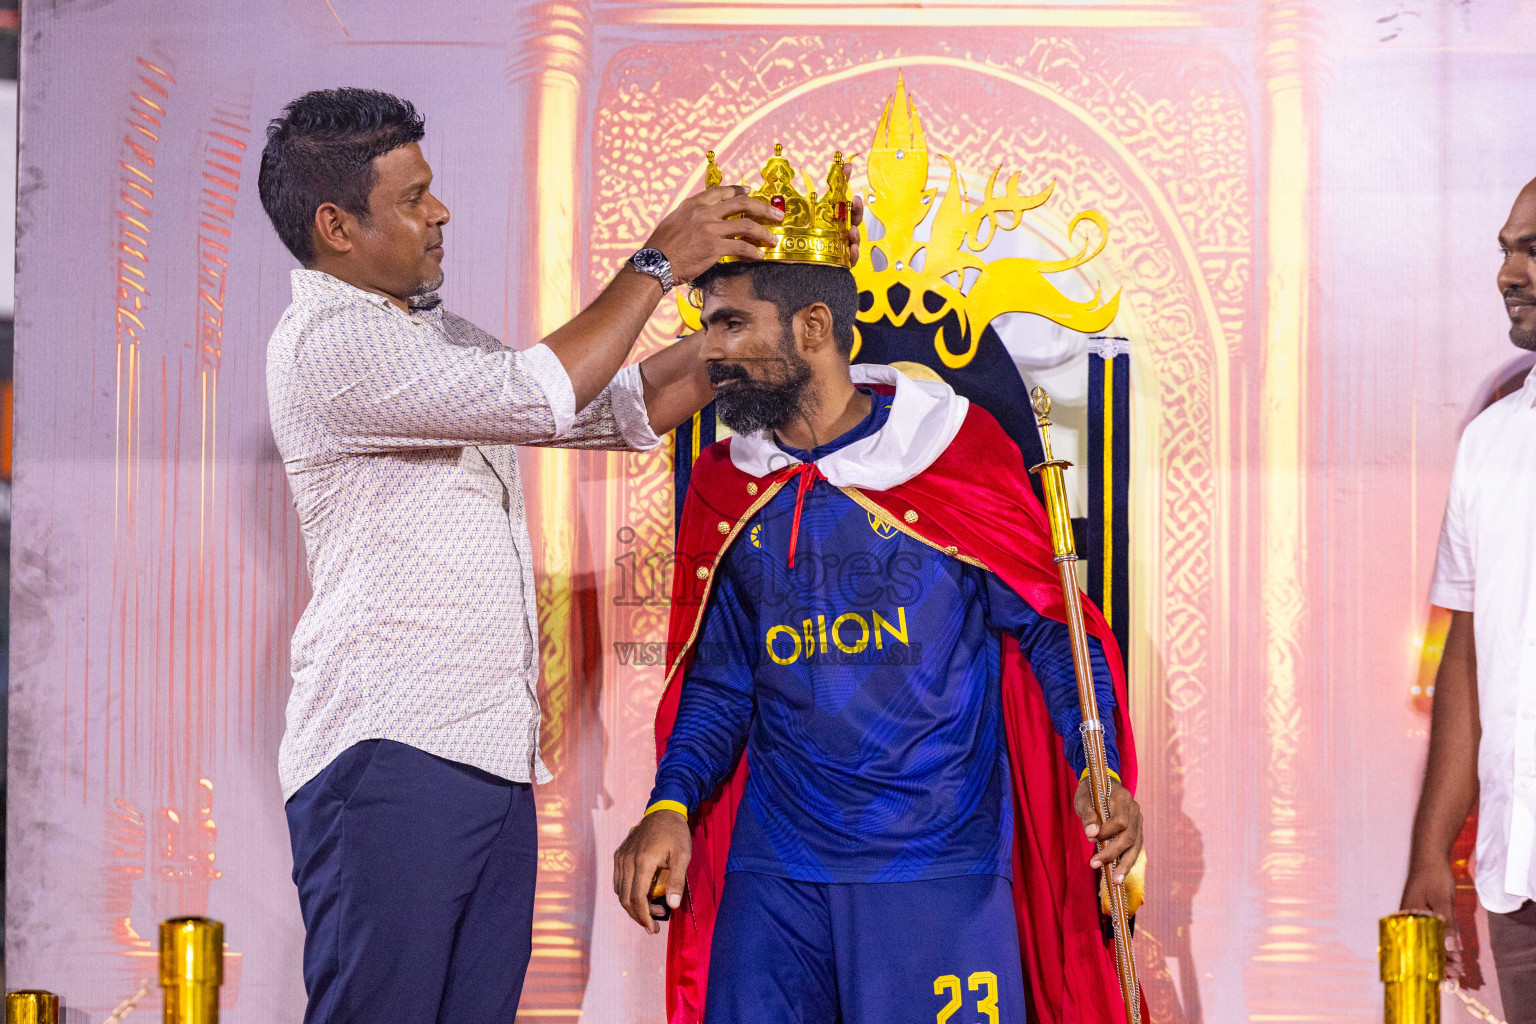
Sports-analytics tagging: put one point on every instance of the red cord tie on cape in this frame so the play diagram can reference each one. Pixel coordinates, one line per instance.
(809, 474)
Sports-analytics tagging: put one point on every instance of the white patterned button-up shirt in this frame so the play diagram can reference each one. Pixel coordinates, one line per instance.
(1487, 566)
(396, 432)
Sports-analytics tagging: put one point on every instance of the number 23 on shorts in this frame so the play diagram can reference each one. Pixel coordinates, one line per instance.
(977, 981)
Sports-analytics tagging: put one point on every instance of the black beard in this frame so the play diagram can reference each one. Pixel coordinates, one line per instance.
(1523, 338)
(749, 406)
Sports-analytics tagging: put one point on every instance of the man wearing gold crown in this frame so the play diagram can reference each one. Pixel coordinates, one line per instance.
(863, 808)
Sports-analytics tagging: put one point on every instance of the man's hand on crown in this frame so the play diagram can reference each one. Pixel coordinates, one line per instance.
(725, 221)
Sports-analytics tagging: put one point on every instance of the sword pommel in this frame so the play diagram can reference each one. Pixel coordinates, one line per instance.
(1042, 403)
(1042, 406)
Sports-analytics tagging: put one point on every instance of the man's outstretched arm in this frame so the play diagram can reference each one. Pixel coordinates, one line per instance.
(676, 383)
(401, 388)
(721, 221)
(1450, 775)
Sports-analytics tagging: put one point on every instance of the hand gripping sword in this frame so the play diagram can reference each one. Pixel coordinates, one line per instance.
(1053, 478)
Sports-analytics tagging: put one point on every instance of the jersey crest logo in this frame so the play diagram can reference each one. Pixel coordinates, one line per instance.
(756, 535)
(884, 529)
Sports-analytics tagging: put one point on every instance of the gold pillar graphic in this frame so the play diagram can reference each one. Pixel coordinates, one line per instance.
(560, 47)
(1282, 443)
(191, 969)
(1288, 853)
(557, 63)
(1412, 966)
(31, 1006)
(1297, 950)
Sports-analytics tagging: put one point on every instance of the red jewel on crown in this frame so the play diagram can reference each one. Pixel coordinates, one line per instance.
(842, 211)
(777, 202)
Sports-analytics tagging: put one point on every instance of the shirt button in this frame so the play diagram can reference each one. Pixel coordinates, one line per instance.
(910, 516)
(724, 527)
(751, 488)
(701, 572)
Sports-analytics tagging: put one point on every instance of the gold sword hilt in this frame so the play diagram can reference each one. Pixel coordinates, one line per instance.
(1040, 400)
(1053, 477)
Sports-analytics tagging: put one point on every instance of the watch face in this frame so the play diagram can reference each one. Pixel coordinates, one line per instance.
(650, 260)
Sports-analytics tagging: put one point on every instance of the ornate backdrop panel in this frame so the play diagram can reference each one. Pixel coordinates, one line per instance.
(1300, 199)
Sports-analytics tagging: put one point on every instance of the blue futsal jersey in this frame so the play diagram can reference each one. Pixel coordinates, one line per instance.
(864, 685)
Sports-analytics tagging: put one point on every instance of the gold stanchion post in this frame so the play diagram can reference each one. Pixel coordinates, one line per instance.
(191, 969)
(31, 1006)
(1412, 967)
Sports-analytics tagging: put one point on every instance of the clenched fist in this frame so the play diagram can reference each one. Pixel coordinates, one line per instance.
(1119, 838)
(660, 844)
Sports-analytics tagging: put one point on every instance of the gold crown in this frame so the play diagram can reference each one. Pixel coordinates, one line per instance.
(814, 229)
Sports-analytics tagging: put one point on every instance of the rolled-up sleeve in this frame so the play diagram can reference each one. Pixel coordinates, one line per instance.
(545, 368)
(615, 419)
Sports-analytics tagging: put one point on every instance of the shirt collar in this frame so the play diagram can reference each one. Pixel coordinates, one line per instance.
(315, 285)
(879, 412)
(925, 416)
(1528, 389)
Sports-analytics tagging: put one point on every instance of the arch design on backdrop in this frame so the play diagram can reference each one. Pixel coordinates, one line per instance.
(1166, 159)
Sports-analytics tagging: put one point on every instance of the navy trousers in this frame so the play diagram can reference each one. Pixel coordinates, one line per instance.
(415, 879)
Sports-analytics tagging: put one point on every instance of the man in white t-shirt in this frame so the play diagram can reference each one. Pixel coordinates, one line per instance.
(1483, 729)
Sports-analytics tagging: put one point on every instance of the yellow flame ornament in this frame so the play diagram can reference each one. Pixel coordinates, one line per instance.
(960, 231)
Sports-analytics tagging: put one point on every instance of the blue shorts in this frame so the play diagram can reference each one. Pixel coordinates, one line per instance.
(787, 952)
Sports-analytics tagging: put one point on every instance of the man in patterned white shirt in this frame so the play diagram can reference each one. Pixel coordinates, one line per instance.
(1482, 738)
(412, 738)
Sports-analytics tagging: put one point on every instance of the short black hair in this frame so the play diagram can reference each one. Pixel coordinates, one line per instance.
(793, 286)
(321, 150)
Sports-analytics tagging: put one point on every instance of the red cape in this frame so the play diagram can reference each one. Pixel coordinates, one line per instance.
(975, 503)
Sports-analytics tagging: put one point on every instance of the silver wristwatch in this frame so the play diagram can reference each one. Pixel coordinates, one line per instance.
(651, 261)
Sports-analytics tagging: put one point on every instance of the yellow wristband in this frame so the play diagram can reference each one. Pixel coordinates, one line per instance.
(1112, 774)
(665, 805)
